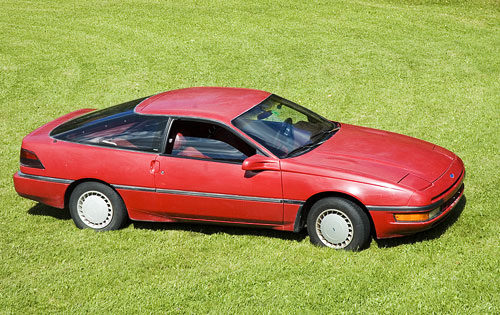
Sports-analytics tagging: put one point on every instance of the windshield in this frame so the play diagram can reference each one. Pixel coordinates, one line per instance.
(285, 128)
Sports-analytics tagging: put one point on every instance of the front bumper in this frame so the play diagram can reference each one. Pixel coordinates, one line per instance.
(386, 226)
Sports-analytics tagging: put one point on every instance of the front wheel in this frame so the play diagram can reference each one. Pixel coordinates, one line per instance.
(338, 223)
(97, 206)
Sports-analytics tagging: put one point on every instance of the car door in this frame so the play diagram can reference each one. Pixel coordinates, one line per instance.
(200, 176)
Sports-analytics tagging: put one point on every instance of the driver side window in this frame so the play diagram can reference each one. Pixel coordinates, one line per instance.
(203, 140)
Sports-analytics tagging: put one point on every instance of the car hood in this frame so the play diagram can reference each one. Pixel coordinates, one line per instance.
(379, 154)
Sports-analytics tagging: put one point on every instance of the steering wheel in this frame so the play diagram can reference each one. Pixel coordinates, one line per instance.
(284, 135)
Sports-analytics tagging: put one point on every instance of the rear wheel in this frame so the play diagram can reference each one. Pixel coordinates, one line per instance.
(338, 223)
(97, 206)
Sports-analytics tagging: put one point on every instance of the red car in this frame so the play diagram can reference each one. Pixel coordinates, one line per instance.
(238, 156)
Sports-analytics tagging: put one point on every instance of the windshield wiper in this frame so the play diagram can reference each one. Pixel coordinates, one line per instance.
(313, 144)
(304, 148)
(321, 134)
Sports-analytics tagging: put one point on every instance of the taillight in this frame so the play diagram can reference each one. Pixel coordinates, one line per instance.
(29, 159)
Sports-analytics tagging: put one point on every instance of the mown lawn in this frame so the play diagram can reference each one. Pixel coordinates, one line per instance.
(429, 69)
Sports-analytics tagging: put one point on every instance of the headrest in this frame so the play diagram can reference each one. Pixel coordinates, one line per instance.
(179, 141)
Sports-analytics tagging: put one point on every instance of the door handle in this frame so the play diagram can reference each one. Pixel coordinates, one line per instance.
(154, 167)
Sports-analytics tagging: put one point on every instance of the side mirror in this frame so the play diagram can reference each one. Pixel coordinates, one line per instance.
(260, 163)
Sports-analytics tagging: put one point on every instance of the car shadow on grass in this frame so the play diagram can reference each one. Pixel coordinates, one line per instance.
(41, 209)
(210, 229)
(433, 233)
(63, 214)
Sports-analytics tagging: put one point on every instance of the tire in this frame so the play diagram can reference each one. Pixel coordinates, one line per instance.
(338, 223)
(96, 206)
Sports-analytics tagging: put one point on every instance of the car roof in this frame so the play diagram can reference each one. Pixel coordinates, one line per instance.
(218, 103)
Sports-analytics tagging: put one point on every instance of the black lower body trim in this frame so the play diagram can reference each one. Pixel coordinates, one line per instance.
(406, 209)
(228, 196)
(172, 191)
(45, 178)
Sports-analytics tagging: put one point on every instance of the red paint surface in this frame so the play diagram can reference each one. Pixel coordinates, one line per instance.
(373, 167)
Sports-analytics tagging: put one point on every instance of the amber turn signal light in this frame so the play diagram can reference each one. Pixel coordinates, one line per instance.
(421, 216)
(412, 216)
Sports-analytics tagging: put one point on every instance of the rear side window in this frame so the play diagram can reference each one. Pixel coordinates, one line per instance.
(96, 116)
(118, 126)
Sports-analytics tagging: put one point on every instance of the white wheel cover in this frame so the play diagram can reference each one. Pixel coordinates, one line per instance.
(334, 228)
(95, 209)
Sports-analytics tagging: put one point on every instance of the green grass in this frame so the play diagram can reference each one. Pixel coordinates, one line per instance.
(429, 69)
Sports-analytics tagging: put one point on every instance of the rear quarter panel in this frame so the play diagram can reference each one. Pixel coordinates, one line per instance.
(73, 161)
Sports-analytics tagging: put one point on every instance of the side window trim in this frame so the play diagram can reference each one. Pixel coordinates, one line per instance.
(163, 145)
(201, 159)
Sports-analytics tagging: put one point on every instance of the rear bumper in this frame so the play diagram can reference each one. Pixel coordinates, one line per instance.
(47, 190)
